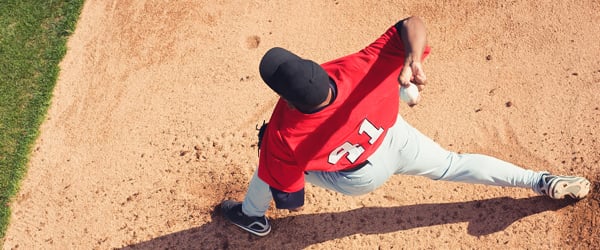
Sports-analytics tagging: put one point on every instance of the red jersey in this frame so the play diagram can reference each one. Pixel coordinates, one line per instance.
(345, 133)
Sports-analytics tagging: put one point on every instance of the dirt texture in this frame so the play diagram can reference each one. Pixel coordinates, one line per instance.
(153, 124)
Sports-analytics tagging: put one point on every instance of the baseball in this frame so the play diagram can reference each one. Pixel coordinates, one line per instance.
(409, 94)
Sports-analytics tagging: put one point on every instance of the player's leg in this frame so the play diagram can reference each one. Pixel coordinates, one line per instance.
(413, 153)
(416, 154)
(258, 197)
(250, 214)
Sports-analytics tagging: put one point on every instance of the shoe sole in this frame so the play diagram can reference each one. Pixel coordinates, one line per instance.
(574, 187)
(261, 234)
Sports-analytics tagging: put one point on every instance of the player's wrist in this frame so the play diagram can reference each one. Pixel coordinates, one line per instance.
(411, 59)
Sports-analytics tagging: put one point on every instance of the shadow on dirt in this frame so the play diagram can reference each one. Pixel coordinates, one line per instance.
(584, 219)
(300, 231)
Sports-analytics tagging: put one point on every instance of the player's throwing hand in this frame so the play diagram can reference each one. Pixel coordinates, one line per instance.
(413, 72)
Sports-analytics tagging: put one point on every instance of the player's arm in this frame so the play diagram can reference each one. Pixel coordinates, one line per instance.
(414, 38)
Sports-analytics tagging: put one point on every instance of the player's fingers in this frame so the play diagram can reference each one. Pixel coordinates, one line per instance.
(405, 76)
(419, 74)
(420, 82)
(420, 86)
(421, 79)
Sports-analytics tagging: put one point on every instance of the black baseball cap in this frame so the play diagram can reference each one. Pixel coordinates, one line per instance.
(302, 82)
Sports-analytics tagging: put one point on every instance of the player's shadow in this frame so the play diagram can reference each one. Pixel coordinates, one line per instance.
(300, 231)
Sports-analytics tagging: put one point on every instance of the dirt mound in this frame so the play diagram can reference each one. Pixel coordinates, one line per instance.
(153, 124)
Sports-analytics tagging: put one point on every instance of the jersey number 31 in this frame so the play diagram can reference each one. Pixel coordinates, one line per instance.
(354, 151)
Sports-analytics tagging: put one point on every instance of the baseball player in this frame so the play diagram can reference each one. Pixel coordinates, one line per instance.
(336, 125)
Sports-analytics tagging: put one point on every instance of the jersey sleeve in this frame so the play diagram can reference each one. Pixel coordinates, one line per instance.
(279, 174)
(278, 168)
(277, 164)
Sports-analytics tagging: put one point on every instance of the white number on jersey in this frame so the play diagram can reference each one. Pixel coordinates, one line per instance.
(353, 151)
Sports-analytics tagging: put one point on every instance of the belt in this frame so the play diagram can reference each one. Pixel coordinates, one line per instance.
(357, 167)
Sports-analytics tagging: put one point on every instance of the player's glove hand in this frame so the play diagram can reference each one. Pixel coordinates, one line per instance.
(261, 133)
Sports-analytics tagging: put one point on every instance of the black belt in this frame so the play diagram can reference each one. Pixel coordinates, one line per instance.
(357, 167)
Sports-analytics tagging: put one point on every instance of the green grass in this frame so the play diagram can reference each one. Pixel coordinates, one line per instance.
(33, 36)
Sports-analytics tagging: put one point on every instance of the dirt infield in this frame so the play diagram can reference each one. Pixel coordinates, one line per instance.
(153, 121)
